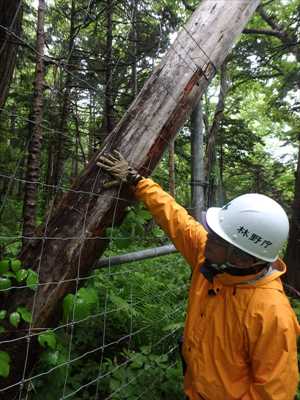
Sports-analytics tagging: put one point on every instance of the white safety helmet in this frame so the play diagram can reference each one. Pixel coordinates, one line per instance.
(252, 222)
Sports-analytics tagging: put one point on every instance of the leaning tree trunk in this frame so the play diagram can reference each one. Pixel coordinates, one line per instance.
(10, 30)
(36, 133)
(74, 236)
(293, 248)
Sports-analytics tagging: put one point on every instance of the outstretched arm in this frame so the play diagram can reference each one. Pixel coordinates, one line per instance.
(188, 236)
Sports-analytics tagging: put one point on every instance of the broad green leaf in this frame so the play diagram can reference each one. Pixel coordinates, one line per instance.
(5, 283)
(3, 314)
(15, 318)
(47, 339)
(4, 364)
(2, 329)
(68, 306)
(25, 314)
(32, 279)
(4, 266)
(9, 274)
(16, 265)
(81, 305)
(21, 275)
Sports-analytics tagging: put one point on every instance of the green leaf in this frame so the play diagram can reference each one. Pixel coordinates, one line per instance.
(47, 339)
(4, 364)
(25, 314)
(15, 319)
(5, 283)
(68, 306)
(16, 265)
(32, 279)
(2, 329)
(2, 314)
(9, 274)
(21, 275)
(81, 305)
(4, 266)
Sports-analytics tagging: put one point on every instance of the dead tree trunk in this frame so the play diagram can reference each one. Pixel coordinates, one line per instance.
(74, 236)
(198, 176)
(10, 29)
(35, 132)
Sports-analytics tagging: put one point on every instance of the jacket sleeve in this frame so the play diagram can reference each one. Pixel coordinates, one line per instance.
(272, 342)
(185, 232)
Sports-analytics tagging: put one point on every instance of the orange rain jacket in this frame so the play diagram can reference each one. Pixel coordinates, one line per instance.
(241, 342)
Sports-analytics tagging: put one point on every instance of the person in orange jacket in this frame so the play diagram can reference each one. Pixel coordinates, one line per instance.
(240, 336)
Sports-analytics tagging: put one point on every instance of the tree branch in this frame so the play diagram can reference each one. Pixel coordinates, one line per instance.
(268, 32)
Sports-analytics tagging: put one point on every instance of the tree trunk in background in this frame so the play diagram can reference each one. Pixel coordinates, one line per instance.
(92, 122)
(60, 156)
(10, 25)
(293, 248)
(36, 134)
(109, 107)
(212, 137)
(197, 175)
(74, 236)
(134, 39)
(171, 167)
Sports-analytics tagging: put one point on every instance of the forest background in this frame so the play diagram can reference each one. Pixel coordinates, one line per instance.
(65, 83)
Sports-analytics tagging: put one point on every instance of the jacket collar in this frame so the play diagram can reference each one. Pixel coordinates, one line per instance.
(279, 268)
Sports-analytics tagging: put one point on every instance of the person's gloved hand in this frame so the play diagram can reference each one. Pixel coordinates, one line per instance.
(118, 167)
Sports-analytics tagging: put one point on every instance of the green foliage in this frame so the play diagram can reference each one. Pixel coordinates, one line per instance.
(147, 309)
(47, 339)
(4, 364)
(152, 375)
(79, 306)
(15, 319)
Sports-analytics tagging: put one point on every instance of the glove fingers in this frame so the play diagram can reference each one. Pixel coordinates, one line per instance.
(118, 155)
(104, 166)
(108, 185)
(105, 162)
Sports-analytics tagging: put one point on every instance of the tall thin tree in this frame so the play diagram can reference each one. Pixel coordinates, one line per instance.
(197, 175)
(36, 133)
(10, 29)
(212, 136)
